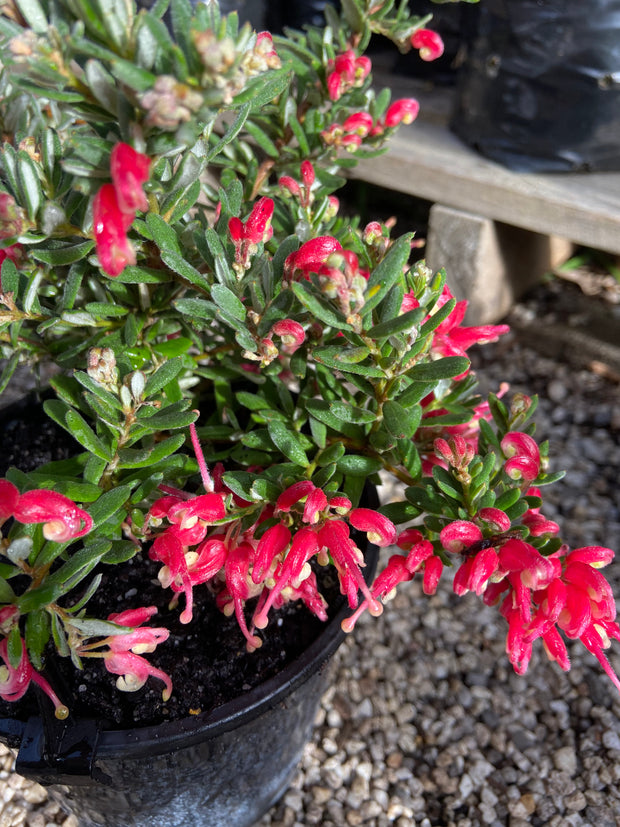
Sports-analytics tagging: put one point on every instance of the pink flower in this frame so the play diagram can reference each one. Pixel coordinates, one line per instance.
(272, 544)
(429, 43)
(9, 495)
(290, 332)
(450, 339)
(258, 227)
(293, 494)
(129, 170)
(523, 456)
(345, 72)
(359, 122)
(237, 574)
(404, 111)
(62, 519)
(311, 256)
(292, 571)
(307, 173)
(110, 225)
(458, 535)
(380, 530)
(13, 253)
(536, 522)
(348, 559)
(384, 587)
(14, 681)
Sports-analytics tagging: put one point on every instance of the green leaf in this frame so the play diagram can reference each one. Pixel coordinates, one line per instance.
(262, 139)
(387, 273)
(262, 90)
(446, 483)
(231, 133)
(446, 368)
(437, 318)
(350, 413)
(140, 458)
(37, 634)
(169, 420)
(83, 433)
(7, 595)
(400, 421)
(399, 324)
(287, 442)
(347, 360)
(131, 75)
(306, 294)
(177, 264)
(33, 14)
(196, 309)
(354, 465)
(164, 374)
(400, 512)
(62, 255)
(228, 302)
(109, 503)
(162, 233)
(144, 275)
(240, 483)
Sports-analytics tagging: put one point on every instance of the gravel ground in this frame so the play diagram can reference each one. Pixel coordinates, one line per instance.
(426, 723)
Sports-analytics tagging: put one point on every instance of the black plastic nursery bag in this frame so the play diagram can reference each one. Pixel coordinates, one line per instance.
(540, 90)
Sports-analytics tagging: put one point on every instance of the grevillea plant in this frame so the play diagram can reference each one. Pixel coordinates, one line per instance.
(234, 358)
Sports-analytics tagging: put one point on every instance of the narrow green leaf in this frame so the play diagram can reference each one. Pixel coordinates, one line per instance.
(162, 233)
(183, 268)
(307, 295)
(164, 374)
(231, 133)
(109, 503)
(445, 368)
(287, 442)
(83, 433)
(354, 465)
(33, 14)
(196, 308)
(227, 301)
(400, 421)
(387, 273)
(38, 630)
(350, 413)
(399, 324)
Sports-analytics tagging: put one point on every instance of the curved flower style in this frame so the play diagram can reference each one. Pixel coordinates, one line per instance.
(122, 652)
(14, 681)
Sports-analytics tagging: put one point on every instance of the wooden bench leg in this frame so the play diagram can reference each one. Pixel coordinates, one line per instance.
(489, 263)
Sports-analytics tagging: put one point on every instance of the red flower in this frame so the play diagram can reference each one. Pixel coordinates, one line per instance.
(404, 111)
(429, 44)
(110, 225)
(62, 519)
(13, 253)
(14, 681)
(311, 256)
(129, 170)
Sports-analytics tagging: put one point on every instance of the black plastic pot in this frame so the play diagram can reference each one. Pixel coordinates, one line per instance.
(226, 767)
(540, 89)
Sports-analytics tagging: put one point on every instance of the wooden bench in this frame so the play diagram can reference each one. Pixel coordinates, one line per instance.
(495, 231)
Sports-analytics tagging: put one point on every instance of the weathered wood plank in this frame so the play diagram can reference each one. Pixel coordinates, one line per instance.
(428, 161)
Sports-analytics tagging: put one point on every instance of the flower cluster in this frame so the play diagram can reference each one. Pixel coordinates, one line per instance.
(346, 71)
(203, 541)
